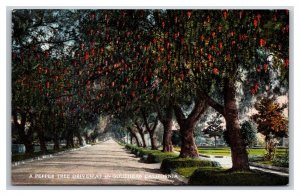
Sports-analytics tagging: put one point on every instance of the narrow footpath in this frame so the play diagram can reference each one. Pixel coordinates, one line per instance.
(106, 163)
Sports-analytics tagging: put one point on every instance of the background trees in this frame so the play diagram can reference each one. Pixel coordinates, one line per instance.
(271, 121)
(214, 128)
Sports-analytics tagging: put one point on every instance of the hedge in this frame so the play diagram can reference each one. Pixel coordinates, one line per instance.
(171, 164)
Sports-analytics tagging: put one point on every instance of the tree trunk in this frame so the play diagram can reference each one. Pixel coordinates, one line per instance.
(187, 126)
(41, 137)
(25, 138)
(141, 132)
(237, 144)
(131, 138)
(79, 138)
(70, 140)
(143, 139)
(56, 144)
(134, 135)
(137, 141)
(165, 117)
(230, 112)
(167, 137)
(151, 130)
(153, 139)
(215, 141)
(188, 145)
(56, 141)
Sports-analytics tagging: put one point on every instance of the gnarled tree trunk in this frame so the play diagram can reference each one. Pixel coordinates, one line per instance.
(79, 138)
(141, 132)
(188, 145)
(151, 130)
(187, 126)
(41, 137)
(153, 140)
(237, 144)
(165, 117)
(230, 112)
(167, 136)
(134, 135)
(131, 138)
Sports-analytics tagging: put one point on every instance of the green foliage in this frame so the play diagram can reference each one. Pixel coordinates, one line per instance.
(214, 127)
(270, 118)
(176, 138)
(212, 177)
(115, 61)
(153, 156)
(248, 132)
(174, 163)
(158, 157)
(281, 160)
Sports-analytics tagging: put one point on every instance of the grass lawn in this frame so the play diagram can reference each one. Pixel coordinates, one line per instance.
(226, 151)
(215, 151)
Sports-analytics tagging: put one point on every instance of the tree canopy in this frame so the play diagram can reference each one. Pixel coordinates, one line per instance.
(70, 66)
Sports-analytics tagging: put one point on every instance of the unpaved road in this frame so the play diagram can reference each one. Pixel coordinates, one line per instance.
(106, 163)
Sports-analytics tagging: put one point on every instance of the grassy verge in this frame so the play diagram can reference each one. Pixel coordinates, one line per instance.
(219, 177)
(186, 171)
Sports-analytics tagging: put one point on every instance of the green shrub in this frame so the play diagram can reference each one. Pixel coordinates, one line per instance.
(152, 156)
(281, 160)
(173, 163)
(158, 156)
(213, 177)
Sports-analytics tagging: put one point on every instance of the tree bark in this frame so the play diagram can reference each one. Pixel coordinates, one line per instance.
(151, 131)
(167, 136)
(133, 133)
(56, 142)
(42, 141)
(188, 145)
(143, 138)
(215, 137)
(187, 126)
(230, 112)
(79, 138)
(237, 144)
(141, 132)
(131, 138)
(153, 139)
(70, 139)
(165, 118)
(39, 127)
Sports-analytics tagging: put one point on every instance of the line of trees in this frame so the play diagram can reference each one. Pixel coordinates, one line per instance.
(148, 66)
